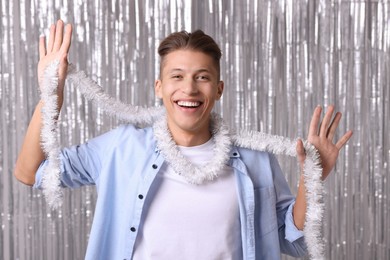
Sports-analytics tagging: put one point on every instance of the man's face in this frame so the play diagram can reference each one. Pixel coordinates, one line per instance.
(189, 87)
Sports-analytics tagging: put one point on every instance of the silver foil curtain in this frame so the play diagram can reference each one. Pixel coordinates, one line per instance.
(280, 60)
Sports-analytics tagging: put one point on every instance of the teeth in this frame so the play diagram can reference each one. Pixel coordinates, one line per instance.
(188, 103)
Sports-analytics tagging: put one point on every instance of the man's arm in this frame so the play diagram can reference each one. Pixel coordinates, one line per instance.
(321, 135)
(31, 153)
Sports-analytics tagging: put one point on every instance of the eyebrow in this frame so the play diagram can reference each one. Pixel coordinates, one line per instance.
(181, 70)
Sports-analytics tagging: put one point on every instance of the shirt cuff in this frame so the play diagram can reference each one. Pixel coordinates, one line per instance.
(292, 232)
(38, 175)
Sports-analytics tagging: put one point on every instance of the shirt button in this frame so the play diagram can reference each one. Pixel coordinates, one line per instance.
(235, 154)
(132, 229)
(154, 166)
(140, 196)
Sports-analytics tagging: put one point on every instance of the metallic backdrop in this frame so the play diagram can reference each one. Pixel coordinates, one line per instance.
(280, 59)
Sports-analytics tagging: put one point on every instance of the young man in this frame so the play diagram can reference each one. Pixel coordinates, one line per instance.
(179, 189)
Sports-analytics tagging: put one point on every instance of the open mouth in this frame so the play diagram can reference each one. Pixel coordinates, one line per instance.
(189, 104)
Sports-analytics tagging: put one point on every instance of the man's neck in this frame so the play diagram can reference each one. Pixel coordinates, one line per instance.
(186, 138)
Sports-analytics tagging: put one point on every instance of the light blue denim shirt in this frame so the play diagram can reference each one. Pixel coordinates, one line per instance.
(123, 164)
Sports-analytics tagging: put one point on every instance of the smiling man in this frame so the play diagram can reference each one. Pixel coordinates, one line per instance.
(189, 86)
(180, 189)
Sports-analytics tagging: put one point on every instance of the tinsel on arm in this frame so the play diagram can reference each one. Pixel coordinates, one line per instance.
(51, 184)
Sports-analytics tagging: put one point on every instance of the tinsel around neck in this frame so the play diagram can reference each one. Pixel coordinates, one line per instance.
(181, 165)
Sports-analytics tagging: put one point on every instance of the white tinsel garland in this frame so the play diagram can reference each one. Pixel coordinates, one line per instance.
(181, 165)
(136, 115)
(148, 116)
(49, 136)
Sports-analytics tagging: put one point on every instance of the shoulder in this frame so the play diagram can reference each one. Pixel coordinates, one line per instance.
(123, 135)
(128, 131)
(131, 134)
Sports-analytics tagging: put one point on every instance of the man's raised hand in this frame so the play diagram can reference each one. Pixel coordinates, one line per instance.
(321, 135)
(56, 49)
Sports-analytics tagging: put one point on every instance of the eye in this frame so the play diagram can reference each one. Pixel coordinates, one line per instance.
(176, 76)
(202, 78)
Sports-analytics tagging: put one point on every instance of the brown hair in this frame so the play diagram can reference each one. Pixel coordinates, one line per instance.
(197, 41)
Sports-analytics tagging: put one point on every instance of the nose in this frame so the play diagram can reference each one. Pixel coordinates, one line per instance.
(190, 87)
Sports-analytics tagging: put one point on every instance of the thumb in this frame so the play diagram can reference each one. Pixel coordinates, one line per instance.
(301, 155)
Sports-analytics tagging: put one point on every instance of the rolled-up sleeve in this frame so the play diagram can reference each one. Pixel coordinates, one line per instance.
(81, 164)
(78, 167)
(292, 232)
(38, 175)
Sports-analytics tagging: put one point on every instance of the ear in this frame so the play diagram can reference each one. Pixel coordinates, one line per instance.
(158, 88)
(220, 87)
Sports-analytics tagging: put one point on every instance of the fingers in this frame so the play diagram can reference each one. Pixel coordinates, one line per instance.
(344, 139)
(327, 127)
(51, 38)
(325, 121)
(58, 35)
(67, 39)
(333, 126)
(57, 47)
(58, 41)
(314, 121)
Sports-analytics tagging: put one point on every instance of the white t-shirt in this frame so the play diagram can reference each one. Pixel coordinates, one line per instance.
(187, 221)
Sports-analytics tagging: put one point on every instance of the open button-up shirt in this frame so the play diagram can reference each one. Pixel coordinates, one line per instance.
(123, 164)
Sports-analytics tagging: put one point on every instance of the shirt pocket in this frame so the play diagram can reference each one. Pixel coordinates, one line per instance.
(265, 210)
